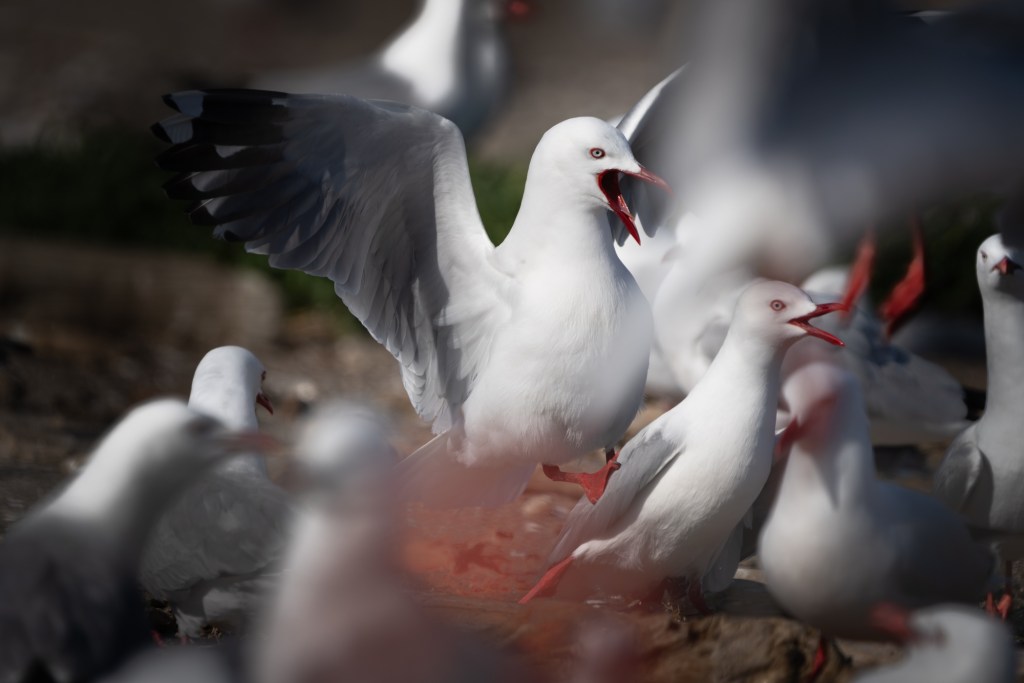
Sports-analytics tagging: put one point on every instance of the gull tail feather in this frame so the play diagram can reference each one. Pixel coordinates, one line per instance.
(433, 476)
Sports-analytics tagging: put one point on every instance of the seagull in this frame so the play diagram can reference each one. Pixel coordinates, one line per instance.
(345, 610)
(688, 478)
(450, 59)
(70, 609)
(981, 475)
(908, 399)
(533, 351)
(837, 540)
(948, 643)
(214, 554)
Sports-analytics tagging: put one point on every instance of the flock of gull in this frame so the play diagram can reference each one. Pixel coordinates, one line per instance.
(792, 128)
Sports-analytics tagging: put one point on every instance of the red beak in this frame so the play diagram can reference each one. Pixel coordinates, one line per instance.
(608, 181)
(1006, 266)
(263, 400)
(804, 323)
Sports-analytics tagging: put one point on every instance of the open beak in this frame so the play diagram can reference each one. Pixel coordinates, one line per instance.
(263, 400)
(1006, 266)
(609, 183)
(804, 323)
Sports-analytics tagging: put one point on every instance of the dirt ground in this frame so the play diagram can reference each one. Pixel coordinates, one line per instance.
(87, 333)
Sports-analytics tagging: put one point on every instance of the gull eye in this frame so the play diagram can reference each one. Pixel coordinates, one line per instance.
(263, 376)
(984, 256)
(597, 152)
(777, 305)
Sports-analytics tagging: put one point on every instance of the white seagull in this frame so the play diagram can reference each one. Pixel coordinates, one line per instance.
(687, 479)
(983, 472)
(838, 540)
(70, 609)
(948, 643)
(214, 554)
(450, 58)
(533, 351)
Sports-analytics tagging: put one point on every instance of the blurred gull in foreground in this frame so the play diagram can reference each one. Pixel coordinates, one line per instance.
(838, 540)
(450, 59)
(687, 480)
(531, 352)
(214, 554)
(948, 643)
(344, 610)
(798, 124)
(70, 609)
(982, 475)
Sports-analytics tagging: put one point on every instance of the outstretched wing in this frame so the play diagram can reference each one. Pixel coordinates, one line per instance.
(374, 195)
(641, 461)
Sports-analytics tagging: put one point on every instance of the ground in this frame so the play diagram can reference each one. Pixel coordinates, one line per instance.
(86, 333)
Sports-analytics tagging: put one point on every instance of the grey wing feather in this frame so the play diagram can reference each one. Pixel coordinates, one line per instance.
(938, 559)
(373, 195)
(960, 471)
(642, 459)
(221, 527)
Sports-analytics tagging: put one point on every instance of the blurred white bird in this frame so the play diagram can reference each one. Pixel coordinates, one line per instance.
(534, 351)
(450, 59)
(688, 478)
(70, 609)
(948, 643)
(981, 475)
(799, 124)
(214, 554)
(838, 540)
(344, 610)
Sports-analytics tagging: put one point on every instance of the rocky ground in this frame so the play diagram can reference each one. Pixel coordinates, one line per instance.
(86, 333)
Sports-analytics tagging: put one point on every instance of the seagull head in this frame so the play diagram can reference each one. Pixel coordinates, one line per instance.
(344, 447)
(228, 384)
(592, 156)
(998, 267)
(782, 313)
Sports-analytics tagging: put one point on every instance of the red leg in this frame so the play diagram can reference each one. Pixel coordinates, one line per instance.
(906, 295)
(820, 659)
(785, 440)
(549, 582)
(157, 639)
(860, 273)
(593, 483)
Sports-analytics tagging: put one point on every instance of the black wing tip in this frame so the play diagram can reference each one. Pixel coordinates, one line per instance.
(159, 131)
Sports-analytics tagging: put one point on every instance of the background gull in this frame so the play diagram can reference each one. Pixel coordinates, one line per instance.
(450, 59)
(214, 554)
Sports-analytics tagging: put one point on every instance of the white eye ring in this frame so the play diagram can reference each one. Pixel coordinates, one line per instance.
(777, 305)
(597, 152)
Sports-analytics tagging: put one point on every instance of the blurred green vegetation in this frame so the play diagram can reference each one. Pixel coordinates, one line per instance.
(107, 190)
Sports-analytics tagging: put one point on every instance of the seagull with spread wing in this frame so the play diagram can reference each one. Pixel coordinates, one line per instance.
(531, 352)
